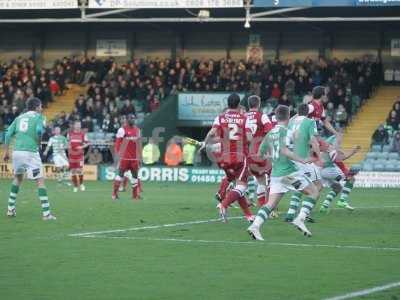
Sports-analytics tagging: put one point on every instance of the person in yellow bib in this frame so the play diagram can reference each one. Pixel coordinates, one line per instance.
(151, 153)
(189, 152)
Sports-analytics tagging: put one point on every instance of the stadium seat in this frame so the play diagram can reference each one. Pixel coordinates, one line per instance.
(381, 161)
(109, 136)
(371, 155)
(90, 136)
(393, 156)
(376, 148)
(390, 166)
(380, 167)
(386, 148)
(367, 166)
(382, 155)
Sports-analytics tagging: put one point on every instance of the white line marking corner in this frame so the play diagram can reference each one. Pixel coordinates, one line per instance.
(366, 291)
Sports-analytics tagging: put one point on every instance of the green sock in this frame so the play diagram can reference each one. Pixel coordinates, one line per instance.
(294, 204)
(348, 186)
(44, 201)
(307, 207)
(12, 198)
(329, 198)
(251, 189)
(262, 215)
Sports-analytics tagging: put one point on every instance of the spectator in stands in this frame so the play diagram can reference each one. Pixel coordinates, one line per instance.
(380, 136)
(151, 153)
(95, 157)
(393, 120)
(396, 143)
(173, 153)
(189, 152)
(341, 116)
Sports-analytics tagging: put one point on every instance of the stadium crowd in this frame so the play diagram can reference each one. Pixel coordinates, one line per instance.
(20, 80)
(117, 90)
(389, 133)
(139, 86)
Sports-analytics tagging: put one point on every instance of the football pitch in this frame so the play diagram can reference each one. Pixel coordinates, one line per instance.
(170, 245)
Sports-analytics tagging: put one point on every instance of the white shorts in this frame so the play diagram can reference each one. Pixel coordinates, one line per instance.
(296, 181)
(29, 163)
(312, 171)
(60, 161)
(332, 175)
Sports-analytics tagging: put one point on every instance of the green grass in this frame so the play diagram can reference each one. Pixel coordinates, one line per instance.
(39, 260)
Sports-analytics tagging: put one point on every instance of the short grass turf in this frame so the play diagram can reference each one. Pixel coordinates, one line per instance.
(40, 260)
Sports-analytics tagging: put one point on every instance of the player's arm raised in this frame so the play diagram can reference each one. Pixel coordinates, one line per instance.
(346, 155)
(9, 134)
(211, 134)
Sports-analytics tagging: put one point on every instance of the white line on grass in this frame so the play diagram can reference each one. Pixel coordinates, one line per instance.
(366, 291)
(151, 227)
(241, 242)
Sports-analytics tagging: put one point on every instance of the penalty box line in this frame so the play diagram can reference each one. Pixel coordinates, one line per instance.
(366, 292)
(83, 234)
(266, 243)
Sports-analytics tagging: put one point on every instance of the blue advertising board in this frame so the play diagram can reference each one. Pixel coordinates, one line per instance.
(200, 109)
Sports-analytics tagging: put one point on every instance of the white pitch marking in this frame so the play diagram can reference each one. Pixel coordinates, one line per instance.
(366, 291)
(151, 227)
(242, 242)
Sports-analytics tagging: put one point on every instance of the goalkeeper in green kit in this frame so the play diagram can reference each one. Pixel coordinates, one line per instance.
(27, 129)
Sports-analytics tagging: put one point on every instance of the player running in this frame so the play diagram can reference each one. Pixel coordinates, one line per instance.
(316, 112)
(285, 176)
(229, 133)
(27, 129)
(59, 143)
(128, 151)
(334, 177)
(76, 154)
(302, 139)
(260, 125)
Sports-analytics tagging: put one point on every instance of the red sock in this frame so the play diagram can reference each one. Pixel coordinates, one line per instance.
(231, 197)
(140, 186)
(223, 187)
(135, 189)
(74, 179)
(116, 185)
(245, 207)
(125, 184)
(261, 200)
(80, 179)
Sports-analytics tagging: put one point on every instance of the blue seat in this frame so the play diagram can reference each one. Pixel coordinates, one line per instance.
(379, 167)
(390, 166)
(393, 156)
(367, 167)
(386, 148)
(382, 156)
(376, 148)
(371, 155)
